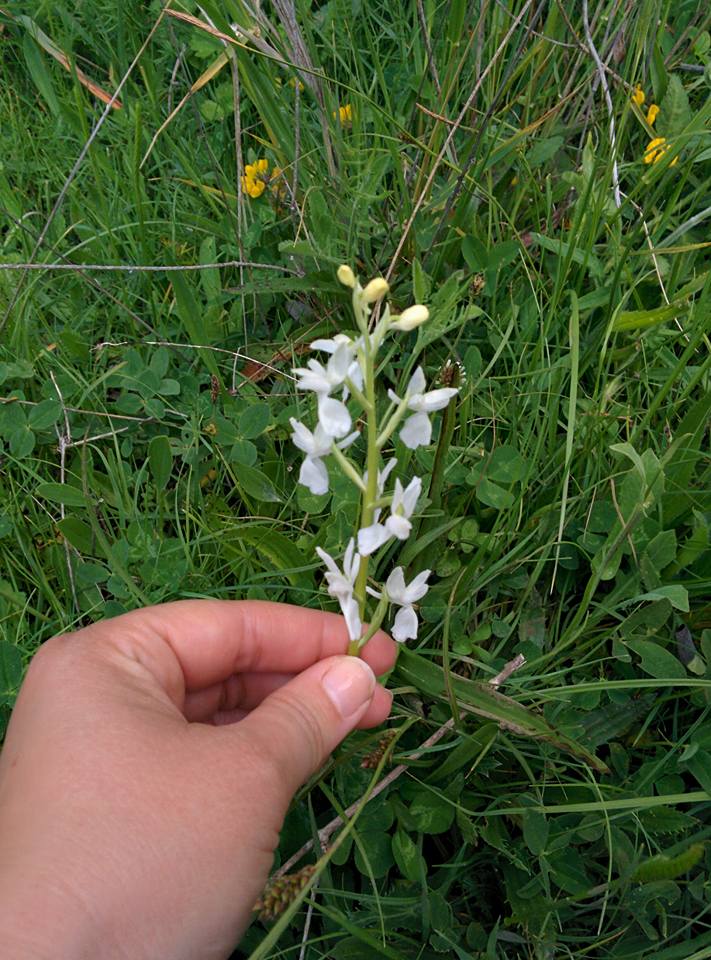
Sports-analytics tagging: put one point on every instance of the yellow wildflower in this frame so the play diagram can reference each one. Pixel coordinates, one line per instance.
(255, 178)
(277, 183)
(345, 115)
(652, 114)
(656, 149)
(638, 96)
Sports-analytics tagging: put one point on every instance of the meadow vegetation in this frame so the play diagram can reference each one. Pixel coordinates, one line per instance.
(167, 257)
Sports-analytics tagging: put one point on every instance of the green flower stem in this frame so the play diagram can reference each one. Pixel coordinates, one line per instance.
(355, 392)
(348, 468)
(375, 621)
(373, 461)
(392, 423)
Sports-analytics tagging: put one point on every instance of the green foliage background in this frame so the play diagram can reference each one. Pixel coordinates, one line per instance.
(144, 439)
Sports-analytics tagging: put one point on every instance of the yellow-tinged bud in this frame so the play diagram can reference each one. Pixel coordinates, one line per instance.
(376, 289)
(346, 276)
(413, 317)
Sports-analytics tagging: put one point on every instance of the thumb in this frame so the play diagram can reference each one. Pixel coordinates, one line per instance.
(295, 729)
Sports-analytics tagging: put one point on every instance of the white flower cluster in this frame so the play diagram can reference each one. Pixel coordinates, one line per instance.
(349, 375)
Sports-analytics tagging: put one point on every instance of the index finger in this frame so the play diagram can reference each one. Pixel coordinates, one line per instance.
(213, 639)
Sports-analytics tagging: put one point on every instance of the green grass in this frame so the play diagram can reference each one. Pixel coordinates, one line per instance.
(570, 513)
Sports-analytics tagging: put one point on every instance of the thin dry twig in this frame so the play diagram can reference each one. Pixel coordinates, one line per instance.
(608, 100)
(65, 437)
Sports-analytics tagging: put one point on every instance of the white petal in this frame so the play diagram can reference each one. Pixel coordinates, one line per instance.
(405, 625)
(355, 375)
(417, 382)
(347, 441)
(314, 475)
(416, 431)
(349, 608)
(385, 473)
(334, 416)
(338, 365)
(434, 400)
(391, 394)
(351, 561)
(328, 560)
(302, 436)
(398, 526)
(395, 586)
(411, 495)
(372, 538)
(330, 346)
(417, 588)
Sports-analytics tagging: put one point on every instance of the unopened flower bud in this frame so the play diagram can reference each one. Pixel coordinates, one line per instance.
(346, 276)
(413, 317)
(376, 289)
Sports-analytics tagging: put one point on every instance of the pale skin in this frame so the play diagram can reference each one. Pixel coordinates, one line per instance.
(148, 766)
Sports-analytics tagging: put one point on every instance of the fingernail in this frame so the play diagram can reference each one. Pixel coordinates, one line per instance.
(349, 683)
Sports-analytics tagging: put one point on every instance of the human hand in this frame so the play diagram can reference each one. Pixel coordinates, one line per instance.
(137, 819)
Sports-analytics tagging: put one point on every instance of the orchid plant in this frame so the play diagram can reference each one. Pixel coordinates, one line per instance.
(346, 377)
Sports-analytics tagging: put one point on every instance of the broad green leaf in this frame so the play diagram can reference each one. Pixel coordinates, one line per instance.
(542, 150)
(256, 484)
(506, 465)
(254, 420)
(579, 255)
(677, 596)
(160, 459)
(699, 766)
(675, 112)
(244, 452)
(10, 667)
(656, 661)
(44, 414)
(78, 533)
(430, 813)
(639, 319)
(61, 493)
(22, 442)
(493, 495)
(373, 855)
(535, 831)
(407, 856)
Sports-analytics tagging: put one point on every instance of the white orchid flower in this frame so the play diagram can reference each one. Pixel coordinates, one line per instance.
(333, 414)
(355, 374)
(341, 584)
(313, 473)
(417, 429)
(316, 445)
(398, 523)
(404, 595)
